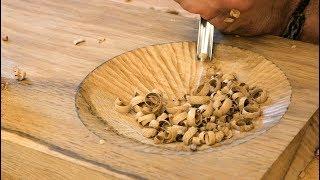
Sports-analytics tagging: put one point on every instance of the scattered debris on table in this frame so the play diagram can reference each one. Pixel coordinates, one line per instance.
(78, 41)
(5, 38)
(293, 46)
(3, 86)
(237, 35)
(228, 20)
(4, 83)
(101, 40)
(172, 11)
(235, 13)
(19, 74)
(193, 147)
(102, 141)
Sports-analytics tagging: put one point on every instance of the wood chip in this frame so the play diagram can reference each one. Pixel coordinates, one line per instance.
(228, 20)
(4, 84)
(293, 46)
(235, 13)
(172, 11)
(5, 38)
(102, 141)
(101, 40)
(237, 36)
(78, 41)
(19, 74)
(193, 147)
(196, 119)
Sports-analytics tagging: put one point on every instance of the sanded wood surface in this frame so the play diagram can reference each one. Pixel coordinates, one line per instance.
(306, 149)
(298, 154)
(312, 170)
(42, 109)
(169, 6)
(172, 69)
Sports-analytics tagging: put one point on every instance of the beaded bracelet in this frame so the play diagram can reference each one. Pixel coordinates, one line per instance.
(294, 27)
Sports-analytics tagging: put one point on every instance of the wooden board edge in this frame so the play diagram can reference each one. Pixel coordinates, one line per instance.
(287, 161)
(306, 150)
(21, 157)
(311, 171)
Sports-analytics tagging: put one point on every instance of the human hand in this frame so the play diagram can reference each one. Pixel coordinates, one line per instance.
(255, 16)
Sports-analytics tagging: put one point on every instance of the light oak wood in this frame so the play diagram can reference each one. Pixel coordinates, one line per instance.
(21, 160)
(159, 5)
(298, 154)
(42, 109)
(172, 69)
(312, 170)
(305, 152)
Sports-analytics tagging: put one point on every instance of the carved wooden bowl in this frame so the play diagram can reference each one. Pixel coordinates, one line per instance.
(171, 68)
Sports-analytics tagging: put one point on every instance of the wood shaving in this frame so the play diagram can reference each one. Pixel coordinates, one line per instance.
(4, 86)
(4, 83)
(172, 11)
(5, 38)
(149, 132)
(235, 13)
(293, 46)
(19, 74)
(101, 141)
(101, 40)
(228, 20)
(193, 147)
(108, 128)
(78, 41)
(237, 36)
(217, 109)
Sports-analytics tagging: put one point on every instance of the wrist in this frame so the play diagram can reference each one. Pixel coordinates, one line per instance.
(296, 20)
(310, 29)
(289, 8)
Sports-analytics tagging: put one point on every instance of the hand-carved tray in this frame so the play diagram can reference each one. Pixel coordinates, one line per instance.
(171, 68)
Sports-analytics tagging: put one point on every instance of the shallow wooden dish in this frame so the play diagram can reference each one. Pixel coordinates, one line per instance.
(171, 68)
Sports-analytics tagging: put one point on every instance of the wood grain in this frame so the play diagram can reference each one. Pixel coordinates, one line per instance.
(312, 170)
(298, 154)
(19, 153)
(171, 68)
(305, 153)
(159, 5)
(42, 109)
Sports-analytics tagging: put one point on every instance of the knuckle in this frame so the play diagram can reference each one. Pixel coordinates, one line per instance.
(206, 16)
(188, 6)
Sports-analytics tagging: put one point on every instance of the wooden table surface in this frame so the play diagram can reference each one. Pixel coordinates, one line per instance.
(42, 136)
